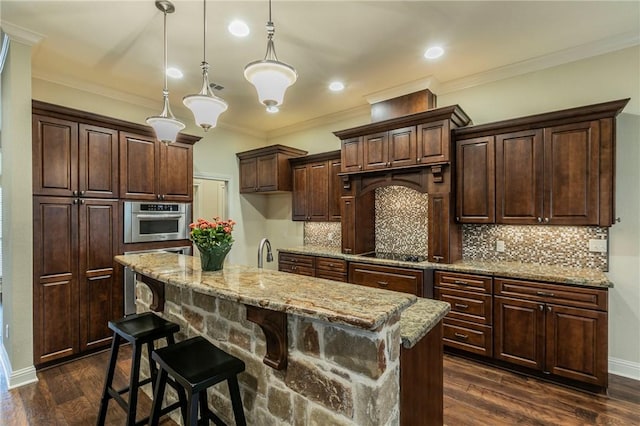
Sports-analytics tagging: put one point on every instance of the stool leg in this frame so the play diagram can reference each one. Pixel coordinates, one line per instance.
(158, 396)
(104, 401)
(134, 380)
(236, 401)
(192, 410)
(153, 369)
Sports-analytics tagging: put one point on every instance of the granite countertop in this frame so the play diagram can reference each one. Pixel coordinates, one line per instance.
(532, 271)
(418, 319)
(331, 301)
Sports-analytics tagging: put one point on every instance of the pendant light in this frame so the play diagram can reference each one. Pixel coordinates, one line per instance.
(270, 76)
(205, 106)
(165, 125)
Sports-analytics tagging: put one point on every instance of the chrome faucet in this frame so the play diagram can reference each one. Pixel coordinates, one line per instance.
(269, 254)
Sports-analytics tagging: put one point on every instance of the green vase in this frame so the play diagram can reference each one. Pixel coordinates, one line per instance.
(212, 258)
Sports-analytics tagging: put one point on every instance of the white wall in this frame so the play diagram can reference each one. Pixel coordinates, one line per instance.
(599, 79)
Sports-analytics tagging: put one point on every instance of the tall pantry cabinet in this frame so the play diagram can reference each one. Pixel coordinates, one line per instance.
(77, 286)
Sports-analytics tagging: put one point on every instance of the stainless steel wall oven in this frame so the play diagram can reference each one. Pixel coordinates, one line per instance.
(148, 222)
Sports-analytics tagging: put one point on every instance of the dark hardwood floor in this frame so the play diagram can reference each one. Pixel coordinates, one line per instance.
(474, 394)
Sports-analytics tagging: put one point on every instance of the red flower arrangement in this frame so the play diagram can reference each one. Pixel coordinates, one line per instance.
(209, 234)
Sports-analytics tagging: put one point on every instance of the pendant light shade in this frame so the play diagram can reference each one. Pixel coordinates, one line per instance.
(270, 77)
(165, 125)
(205, 106)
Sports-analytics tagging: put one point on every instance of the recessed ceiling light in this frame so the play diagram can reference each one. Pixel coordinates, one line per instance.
(239, 28)
(174, 72)
(273, 109)
(434, 52)
(336, 86)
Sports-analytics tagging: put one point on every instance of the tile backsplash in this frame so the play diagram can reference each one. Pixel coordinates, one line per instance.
(401, 226)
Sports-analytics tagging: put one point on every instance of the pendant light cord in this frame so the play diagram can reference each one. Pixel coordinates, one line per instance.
(204, 35)
(164, 71)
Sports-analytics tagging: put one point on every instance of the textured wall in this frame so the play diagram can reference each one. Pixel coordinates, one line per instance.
(327, 234)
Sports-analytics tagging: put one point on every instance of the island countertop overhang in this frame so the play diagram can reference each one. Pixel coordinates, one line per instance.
(330, 301)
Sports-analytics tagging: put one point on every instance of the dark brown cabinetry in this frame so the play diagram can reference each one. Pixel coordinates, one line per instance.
(555, 168)
(152, 170)
(297, 263)
(316, 187)
(445, 236)
(74, 159)
(555, 329)
(387, 277)
(76, 291)
(468, 326)
(267, 169)
(331, 269)
(395, 148)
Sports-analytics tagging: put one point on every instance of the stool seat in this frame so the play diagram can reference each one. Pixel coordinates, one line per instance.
(196, 364)
(143, 327)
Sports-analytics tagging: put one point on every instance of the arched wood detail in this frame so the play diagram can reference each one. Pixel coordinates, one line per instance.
(274, 327)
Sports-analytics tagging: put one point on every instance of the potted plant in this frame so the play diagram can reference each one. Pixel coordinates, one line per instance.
(213, 240)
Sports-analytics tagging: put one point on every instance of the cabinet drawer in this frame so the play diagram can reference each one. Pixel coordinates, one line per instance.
(388, 278)
(468, 336)
(466, 305)
(297, 259)
(296, 269)
(581, 297)
(467, 282)
(334, 276)
(331, 265)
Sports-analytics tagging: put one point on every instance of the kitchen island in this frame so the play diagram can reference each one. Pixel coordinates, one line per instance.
(316, 351)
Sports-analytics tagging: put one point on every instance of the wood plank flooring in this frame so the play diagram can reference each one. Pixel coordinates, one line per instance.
(474, 394)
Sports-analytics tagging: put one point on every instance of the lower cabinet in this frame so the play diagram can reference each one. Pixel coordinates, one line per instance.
(331, 269)
(405, 280)
(297, 263)
(76, 290)
(552, 328)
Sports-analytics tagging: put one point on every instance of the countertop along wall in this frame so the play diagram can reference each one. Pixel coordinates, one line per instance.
(486, 99)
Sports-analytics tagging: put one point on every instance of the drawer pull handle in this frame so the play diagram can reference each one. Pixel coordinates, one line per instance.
(331, 265)
(461, 282)
(544, 293)
(461, 336)
(383, 283)
(461, 306)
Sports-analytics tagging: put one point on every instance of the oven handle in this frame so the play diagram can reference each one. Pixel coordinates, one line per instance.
(159, 216)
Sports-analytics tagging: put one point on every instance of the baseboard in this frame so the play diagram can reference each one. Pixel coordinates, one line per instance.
(16, 378)
(621, 367)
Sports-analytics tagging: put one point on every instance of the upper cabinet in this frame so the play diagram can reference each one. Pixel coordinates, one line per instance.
(267, 169)
(555, 168)
(316, 187)
(408, 141)
(152, 170)
(74, 159)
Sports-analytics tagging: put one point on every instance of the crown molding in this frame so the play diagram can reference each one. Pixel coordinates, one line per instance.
(584, 51)
(429, 82)
(334, 117)
(20, 34)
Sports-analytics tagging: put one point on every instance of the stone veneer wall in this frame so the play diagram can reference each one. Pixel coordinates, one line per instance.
(545, 244)
(335, 375)
(401, 220)
(327, 234)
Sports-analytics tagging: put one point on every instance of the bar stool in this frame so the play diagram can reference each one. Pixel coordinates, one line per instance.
(138, 329)
(197, 365)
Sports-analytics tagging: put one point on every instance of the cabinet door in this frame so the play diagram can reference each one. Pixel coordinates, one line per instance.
(571, 174)
(402, 147)
(176, 172)
(98, 162)
(519, 174)
(519, 332)
(351, 155)
(348, 211)
(433, 142)
(475, 185)
(139, 164)
(335, 190)
(439, 227)
(576, 344)
(300, 192)
(318, 193)
(387, 278)
(267, 172)
(55, 156)
(55, 285)
(249, 175)
(98, 244)
(375, 150)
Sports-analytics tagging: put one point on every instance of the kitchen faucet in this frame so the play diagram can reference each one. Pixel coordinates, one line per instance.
(269, 254)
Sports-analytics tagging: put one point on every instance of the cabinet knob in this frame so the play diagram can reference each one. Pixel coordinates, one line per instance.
(75, 201)
(549, 308)
(157, 196)
(82, 193)
(418, 160)
(539, 220)
(541, 307)
(457, 218)
(75, 193)
(383, 284)
(546, 220)
(360, 166)
(81, 201)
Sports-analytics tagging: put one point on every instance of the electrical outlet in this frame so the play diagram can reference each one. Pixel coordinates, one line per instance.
(500, 246)
(6, 332)
(598, 246)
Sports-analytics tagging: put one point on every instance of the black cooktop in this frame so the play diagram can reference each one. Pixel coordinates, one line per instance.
(397, 256)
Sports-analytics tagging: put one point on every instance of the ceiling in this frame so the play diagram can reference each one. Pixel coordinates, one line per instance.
(115, 47)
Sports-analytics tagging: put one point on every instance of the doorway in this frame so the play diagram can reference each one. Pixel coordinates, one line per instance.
(209, 199)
